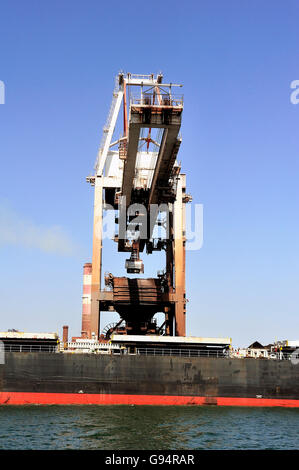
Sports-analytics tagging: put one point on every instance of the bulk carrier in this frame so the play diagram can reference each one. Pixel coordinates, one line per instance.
(137, 361)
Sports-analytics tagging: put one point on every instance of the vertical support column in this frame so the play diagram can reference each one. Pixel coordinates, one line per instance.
(179, 258)
(125, 110)
(96, 256)
(169, 315)
(86, 301)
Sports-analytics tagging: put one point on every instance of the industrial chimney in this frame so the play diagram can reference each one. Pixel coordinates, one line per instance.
(65, 335)
(86, 301)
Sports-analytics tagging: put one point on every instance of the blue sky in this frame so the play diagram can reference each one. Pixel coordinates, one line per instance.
(240, 151)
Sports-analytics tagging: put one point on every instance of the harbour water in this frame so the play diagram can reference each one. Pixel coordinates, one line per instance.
(148, 428)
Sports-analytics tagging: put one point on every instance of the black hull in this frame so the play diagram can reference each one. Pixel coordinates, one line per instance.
(48, 373)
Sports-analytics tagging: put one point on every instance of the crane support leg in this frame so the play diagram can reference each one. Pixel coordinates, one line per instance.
(96, 258)
(179, 259)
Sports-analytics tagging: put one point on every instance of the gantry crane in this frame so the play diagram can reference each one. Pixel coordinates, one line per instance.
(138, 177)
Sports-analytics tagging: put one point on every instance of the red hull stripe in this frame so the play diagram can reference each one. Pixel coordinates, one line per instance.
(28, 398)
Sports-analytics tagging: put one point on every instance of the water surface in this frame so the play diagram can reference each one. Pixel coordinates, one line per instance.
(147, 427)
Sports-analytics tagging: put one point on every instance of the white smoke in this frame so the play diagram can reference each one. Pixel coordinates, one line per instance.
(20, 231)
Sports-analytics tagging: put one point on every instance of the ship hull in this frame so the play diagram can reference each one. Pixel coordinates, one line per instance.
(47, 378)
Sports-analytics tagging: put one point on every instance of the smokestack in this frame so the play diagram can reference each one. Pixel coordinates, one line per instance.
(65, 334)
(86, 301)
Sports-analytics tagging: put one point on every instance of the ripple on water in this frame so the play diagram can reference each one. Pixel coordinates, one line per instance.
(148, 427)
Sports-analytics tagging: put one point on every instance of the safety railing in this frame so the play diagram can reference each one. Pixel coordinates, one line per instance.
(140, 76)
(210, 353)
(30, 348)
(180, 352)
(272, 355)
(287, 356)
(153, 99)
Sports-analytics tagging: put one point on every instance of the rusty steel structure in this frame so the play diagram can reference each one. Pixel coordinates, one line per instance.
(138, 176)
